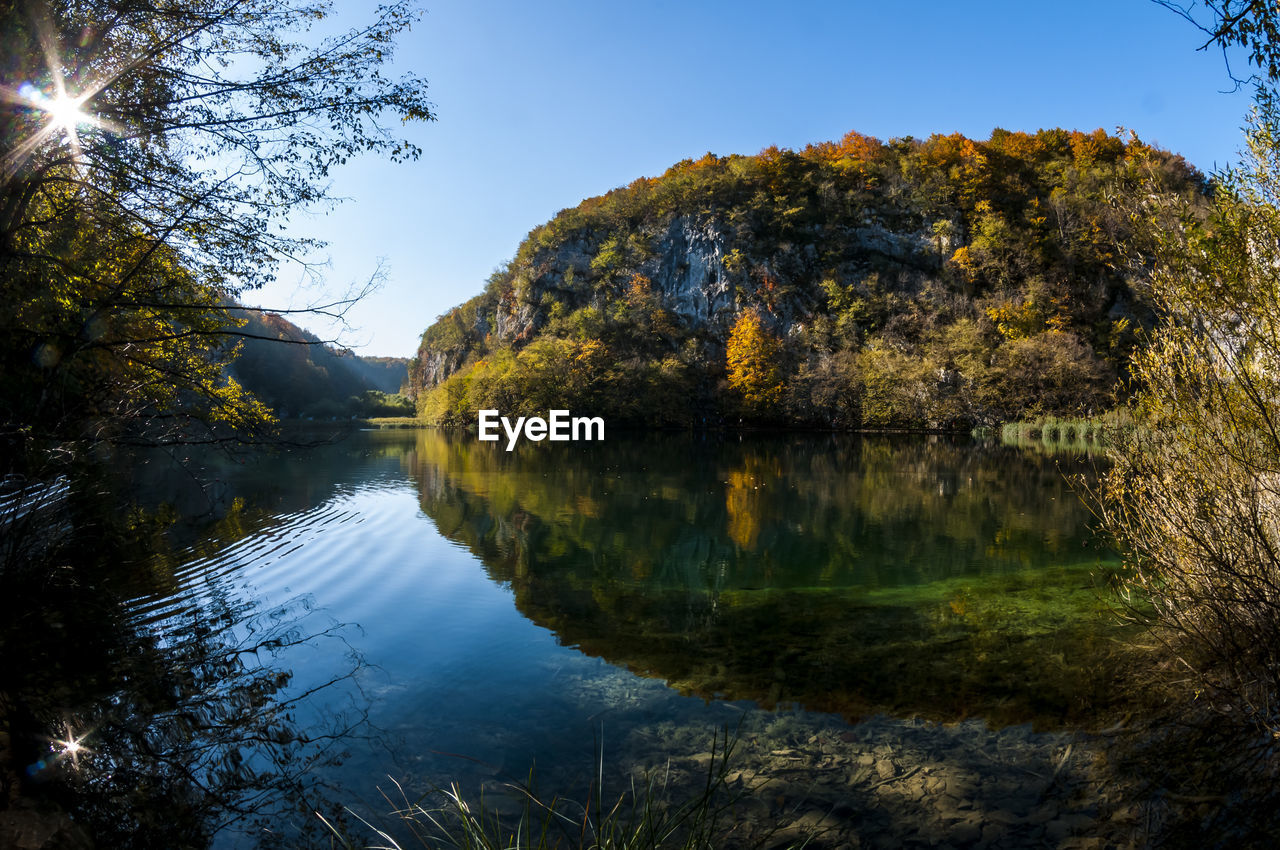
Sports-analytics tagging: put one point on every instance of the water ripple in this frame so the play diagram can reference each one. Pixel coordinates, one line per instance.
(319, 547)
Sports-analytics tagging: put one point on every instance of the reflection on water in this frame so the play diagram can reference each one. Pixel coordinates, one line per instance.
(710, 513)
(922, 577)
(155, 730)
(441, 596)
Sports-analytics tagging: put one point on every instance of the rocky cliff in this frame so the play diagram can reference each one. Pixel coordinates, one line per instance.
(959, 256)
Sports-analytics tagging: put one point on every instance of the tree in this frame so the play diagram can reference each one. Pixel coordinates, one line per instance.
(1049, 372)
(1194, 494)
(1251, 24)
(152, 153)
(754, 368)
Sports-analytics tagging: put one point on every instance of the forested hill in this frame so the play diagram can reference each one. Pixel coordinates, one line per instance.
(938, 283)
(297, 375)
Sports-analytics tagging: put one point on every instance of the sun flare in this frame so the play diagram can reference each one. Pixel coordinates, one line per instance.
(63, 119)
(64, 111)
(70, 747)
(62, 114)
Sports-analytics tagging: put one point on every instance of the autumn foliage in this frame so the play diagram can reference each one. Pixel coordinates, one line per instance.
(941, 283)
(752, 360)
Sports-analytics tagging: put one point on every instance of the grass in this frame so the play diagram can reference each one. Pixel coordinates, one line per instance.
(1052, 435)
(644, 816)
(394, 422)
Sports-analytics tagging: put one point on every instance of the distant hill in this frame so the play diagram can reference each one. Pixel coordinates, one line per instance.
(938, 283)
(299, 376)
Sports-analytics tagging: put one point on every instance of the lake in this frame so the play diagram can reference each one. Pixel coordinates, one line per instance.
(423, 607)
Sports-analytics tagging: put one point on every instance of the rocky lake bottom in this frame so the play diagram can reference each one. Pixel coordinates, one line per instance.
(795, 777)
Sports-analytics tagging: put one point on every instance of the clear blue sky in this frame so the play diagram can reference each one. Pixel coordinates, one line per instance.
(543, 104)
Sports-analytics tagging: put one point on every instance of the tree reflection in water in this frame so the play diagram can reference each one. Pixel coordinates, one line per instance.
(852, 575)
(162, 733)
(929, 577)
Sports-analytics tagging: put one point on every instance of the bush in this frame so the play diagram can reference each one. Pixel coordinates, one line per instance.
(1194, 495)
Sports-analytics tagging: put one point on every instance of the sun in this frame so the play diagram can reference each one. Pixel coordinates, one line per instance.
(70, 747)
(65, 113)
(62, 115)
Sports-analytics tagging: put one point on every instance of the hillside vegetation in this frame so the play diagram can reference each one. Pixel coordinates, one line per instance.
(297, 375)
(941, 283)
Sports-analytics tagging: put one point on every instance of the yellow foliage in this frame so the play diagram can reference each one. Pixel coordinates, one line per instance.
(1061, 318)
(589, 357)
(640, 292)
(963, 260)
(1018, 145)
(1017, 321)
(745, 499)
(740, 504)
(752, 359)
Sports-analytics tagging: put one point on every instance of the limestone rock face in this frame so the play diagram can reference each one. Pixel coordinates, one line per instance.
(705, 275)
(434, 364)
(691, 276)
(701, 269)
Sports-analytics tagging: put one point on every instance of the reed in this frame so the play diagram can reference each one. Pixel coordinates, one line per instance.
(1052, 435)
(648, 815)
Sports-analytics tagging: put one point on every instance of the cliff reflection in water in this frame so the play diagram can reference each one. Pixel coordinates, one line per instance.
(844, 574)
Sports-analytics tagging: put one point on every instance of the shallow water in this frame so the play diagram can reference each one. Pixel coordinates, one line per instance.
(460, 612)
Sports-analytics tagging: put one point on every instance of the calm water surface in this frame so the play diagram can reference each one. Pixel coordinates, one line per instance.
(454, 611)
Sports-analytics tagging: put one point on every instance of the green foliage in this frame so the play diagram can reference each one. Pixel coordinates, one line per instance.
(1251, 24)
(372, 404)
(896, 387)
(1051, 435)
(1053, 371)
(299, 376)
(941, 283)
(126, 238)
